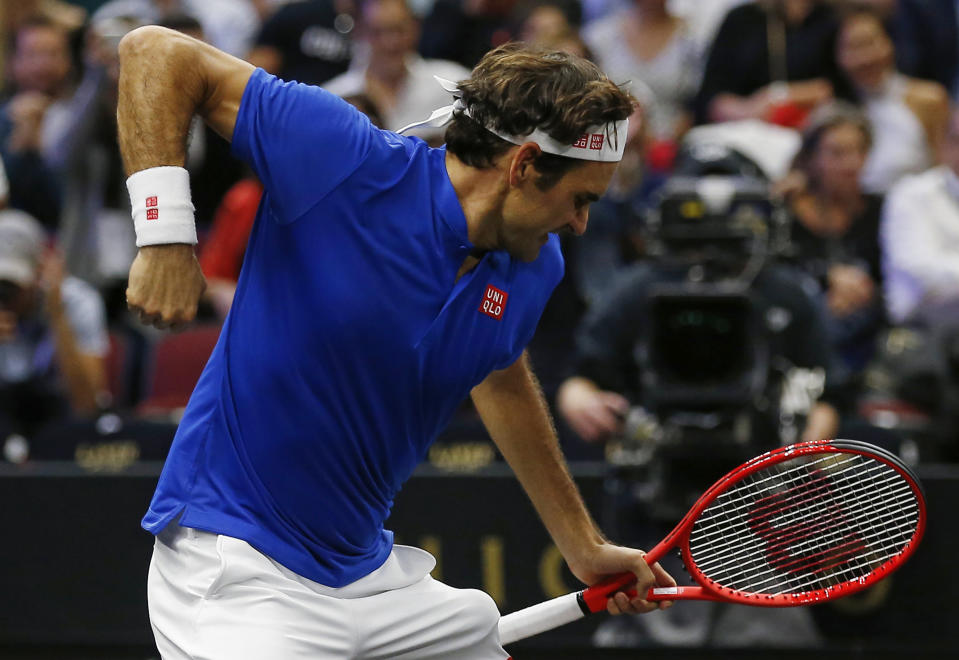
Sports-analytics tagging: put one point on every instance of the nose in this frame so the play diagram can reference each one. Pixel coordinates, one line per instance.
(579, 221)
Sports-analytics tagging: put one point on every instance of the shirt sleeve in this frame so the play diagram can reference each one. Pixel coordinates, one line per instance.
(918, 261)
(301, 140)
(87, 316)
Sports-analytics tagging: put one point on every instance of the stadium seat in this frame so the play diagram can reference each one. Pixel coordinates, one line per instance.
(178, 361)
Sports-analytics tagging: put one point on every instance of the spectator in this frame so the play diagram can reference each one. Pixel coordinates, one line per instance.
(222, 253)
(770, 60)
(34, 119)
(52, 333)
(230, 25)
(647, 43)
(398, 81)
(553, 25)
(308, 41)
(13, 13)
(703, 19)
(920, 241)
(542, 21)
(907, 114)
(835, 233)
(95, 231)
(925, 34)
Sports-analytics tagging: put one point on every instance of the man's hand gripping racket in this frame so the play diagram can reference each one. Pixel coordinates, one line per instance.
(802, 524)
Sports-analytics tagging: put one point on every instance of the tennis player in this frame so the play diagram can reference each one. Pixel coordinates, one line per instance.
(383, 283)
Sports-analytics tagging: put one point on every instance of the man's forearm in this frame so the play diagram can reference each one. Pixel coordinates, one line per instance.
(161, 88)
(514, 411)
(165, 78)
(82, 375)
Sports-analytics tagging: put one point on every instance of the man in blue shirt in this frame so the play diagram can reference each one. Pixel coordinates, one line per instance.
(384, 282)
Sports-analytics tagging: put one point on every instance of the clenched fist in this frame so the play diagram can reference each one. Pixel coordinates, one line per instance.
(165, 285)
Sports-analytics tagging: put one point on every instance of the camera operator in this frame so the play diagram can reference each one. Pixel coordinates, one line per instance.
(607, 378)
(53, 335)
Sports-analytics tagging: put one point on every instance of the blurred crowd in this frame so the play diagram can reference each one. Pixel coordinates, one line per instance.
(841, 111)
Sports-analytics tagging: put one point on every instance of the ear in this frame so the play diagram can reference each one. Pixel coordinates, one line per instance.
(521, 164)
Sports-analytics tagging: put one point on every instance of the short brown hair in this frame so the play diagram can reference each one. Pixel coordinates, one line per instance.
(517, 88)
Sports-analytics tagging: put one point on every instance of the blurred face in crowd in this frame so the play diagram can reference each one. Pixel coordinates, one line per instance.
(865, 51)
(543, 25)
(41, 59)
(838, 159)
(392, 33)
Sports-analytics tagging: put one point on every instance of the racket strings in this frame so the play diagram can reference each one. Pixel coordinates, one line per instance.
(787, 541)
(778, 547)
(734, 510)
(805, 525)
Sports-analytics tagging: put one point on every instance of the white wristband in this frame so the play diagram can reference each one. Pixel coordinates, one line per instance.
(162, 208)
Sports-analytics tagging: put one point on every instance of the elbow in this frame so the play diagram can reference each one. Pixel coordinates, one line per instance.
(150, 43)
(141, 40)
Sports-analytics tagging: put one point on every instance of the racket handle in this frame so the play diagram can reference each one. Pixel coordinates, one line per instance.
(682, 593)
(595, 597)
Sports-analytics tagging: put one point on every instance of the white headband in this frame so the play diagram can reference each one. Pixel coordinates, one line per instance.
(603, 143)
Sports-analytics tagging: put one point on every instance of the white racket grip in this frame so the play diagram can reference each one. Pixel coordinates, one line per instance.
(539, 618)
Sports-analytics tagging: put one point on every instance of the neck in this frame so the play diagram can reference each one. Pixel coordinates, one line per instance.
(796, 11)
(835, 196)
(481, 193)
(867, 89)
(838, 208)
(387, 73)
(652, 13)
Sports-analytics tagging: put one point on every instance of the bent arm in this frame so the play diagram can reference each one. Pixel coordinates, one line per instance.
(165, 78)
(514, 411)
(84, 374)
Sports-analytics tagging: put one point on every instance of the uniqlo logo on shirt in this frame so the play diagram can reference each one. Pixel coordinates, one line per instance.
(582, 142)
(153, 214)
(494, 302)
(151, 201)
(596, 141)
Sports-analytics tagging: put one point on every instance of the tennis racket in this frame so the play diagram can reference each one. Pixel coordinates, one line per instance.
(802, 524)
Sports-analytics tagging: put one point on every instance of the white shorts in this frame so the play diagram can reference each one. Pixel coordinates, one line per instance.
(214, 597)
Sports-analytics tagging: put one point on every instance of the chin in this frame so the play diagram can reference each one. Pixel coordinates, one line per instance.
(528, 254)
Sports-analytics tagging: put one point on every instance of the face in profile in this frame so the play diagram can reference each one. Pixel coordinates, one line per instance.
(532, 213)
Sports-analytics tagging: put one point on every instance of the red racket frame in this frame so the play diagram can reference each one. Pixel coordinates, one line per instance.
(594, 598)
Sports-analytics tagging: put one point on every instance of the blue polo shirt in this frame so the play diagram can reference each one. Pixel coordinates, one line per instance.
(350, 342)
